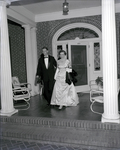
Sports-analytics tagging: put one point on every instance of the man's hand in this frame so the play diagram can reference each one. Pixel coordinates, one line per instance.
(39, 80)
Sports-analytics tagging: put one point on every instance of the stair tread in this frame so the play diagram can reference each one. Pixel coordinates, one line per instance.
(60, 132)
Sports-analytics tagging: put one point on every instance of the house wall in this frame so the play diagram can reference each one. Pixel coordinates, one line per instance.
(17, 50)
(47, 29)
(45, 33)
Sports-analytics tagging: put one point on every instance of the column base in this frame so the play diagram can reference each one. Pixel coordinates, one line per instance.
(105, 120)
(8, 113)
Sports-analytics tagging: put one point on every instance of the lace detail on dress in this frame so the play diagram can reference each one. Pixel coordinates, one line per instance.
(63, 64)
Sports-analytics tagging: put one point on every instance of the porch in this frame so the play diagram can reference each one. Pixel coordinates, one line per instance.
(39, 108)
(71, 126)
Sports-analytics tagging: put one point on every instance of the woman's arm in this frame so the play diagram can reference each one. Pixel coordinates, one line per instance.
(69, 69)
(69, 64)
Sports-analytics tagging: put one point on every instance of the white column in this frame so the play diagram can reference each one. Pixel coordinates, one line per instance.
(7, 108)
(109, 62)
(29, 60)
(35, 59)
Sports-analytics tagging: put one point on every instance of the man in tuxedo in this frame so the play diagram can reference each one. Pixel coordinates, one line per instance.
(46, 71)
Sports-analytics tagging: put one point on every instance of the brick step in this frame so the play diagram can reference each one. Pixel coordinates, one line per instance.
(59, 123)
(70, 132)
(74, 136)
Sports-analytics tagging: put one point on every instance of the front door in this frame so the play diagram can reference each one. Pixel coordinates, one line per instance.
(78, 57)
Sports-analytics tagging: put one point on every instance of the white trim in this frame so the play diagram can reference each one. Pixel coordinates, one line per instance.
(79, 41)
(17, 17)
(23, 11)
(71, 26)
(81, 88)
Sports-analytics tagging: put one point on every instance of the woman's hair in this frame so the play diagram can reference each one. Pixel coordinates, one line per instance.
(62, 51)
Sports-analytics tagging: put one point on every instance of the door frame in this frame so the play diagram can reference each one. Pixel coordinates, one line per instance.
(55, 41)
(77, 41)
(72, 26)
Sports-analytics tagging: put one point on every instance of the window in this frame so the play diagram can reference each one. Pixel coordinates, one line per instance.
(97, 66)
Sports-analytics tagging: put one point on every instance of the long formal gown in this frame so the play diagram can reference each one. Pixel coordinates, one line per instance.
(63, 93)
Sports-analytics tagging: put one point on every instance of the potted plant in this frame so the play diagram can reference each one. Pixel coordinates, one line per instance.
(99, 82)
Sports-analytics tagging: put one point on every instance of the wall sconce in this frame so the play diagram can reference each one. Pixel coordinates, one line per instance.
(65, 8)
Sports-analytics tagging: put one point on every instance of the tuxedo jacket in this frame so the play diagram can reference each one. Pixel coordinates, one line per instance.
(46, 74)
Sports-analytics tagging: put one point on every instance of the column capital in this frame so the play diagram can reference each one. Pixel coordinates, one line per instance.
(34, 28)
(8, 2)
(27, 26)
(5, 3)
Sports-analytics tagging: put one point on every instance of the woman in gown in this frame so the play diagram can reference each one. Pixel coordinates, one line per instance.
(63, 93)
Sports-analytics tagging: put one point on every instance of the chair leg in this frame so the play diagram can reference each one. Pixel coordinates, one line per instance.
(27, 101)
(91, 107)
(28, 104)
(90, 96)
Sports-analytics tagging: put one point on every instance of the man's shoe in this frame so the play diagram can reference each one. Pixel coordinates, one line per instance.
(49, 104)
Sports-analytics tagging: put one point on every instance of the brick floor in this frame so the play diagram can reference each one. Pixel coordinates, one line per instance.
(6, 144)
(39, 108)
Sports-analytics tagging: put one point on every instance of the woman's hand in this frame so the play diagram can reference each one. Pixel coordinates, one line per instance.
(68, 70)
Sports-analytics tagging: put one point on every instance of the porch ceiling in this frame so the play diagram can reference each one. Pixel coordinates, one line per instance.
(49, 6)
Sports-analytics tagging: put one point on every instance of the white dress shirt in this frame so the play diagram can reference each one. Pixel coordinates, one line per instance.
(46, 62)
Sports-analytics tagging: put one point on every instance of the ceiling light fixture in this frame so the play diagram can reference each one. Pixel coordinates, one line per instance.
(65, 8)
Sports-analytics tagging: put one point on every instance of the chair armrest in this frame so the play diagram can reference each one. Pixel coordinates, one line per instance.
(17, 88)
(92, 82)
(97, 91)
(28, 85)
(25, 84)
(98, 99)
(20, 90)
(93, 85)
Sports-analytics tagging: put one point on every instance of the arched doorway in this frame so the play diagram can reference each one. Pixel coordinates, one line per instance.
(82, 42)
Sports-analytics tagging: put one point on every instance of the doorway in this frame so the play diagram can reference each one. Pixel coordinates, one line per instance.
(80, 41)
(78, 55)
